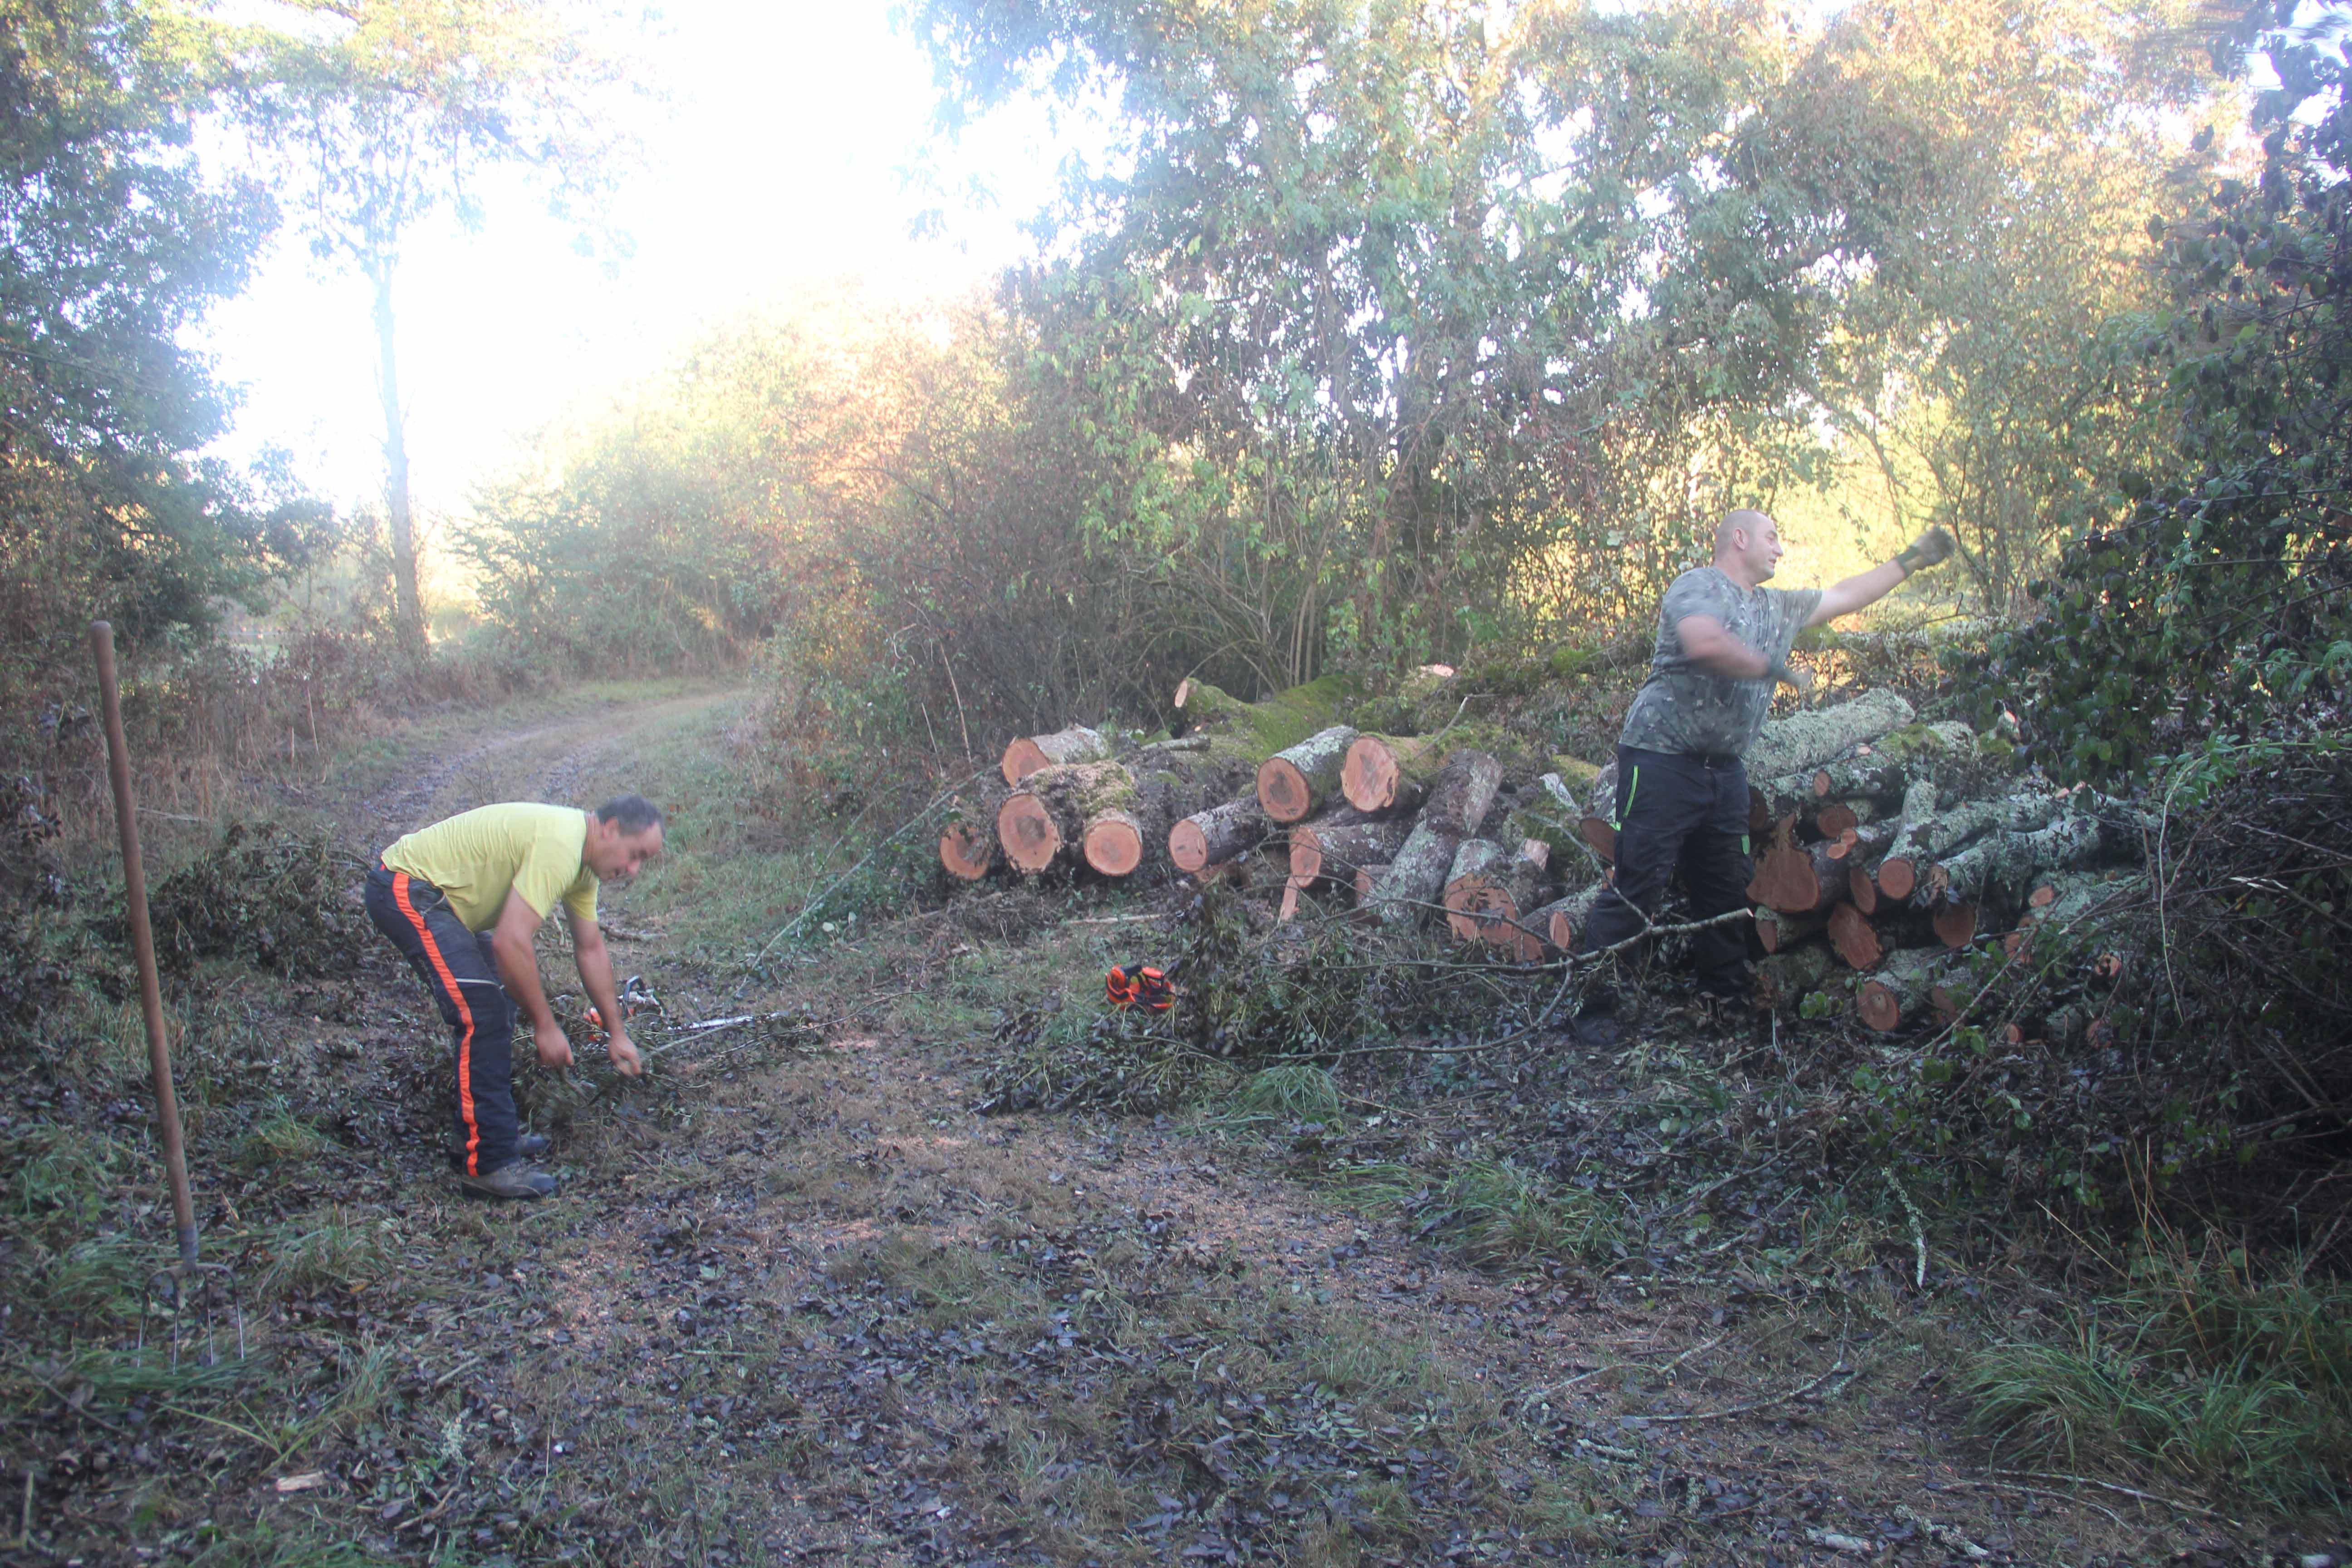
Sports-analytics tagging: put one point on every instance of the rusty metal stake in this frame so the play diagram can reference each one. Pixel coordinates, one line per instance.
(151, 1001)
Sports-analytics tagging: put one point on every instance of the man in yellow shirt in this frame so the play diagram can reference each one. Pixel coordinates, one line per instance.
(462, 899)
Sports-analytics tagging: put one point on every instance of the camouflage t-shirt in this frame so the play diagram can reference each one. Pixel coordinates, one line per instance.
(1688, 708)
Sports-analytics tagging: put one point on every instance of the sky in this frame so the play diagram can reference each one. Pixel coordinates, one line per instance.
(778, 160)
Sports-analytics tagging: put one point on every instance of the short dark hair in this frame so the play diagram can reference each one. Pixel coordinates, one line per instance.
(630, 813)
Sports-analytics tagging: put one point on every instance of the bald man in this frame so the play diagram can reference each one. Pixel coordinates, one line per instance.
(1682, 790)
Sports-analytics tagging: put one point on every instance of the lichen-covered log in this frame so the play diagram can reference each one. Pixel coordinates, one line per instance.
(2007, 860)
(1333, 850)
(1558, 922)
(1389, 773)
(1541, 819)
(1787, 978)
(1899, 990)
(1463, 793)
(1898, 868)
(1575, 773)
(1865, 844)
(1465, 881)
(1368, 878)
(1803, 742)
(1887, 768)
(968, 845)
(1791, 794)
(1294, 783)
(1169, 788)
(1046, 817)
(1214, 837)
(1030, 753)
(2007, 814)
(1415, 881)
(1485, 900)
(1780, 932)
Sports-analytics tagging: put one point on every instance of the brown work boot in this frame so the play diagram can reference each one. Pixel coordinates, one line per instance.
(515, 1179)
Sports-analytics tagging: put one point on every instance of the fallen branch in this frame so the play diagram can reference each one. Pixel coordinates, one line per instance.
(1758, 1404)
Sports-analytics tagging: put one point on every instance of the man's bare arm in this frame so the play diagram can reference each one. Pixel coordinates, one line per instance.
(518, 967)
(595, 965)
(1715, 650)
(1930, 548)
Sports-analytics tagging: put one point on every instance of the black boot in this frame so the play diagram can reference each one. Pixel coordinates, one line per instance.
(515, 1179)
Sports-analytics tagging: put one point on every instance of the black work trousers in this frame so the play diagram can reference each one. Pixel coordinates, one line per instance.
(1687, 814)
(458, 968)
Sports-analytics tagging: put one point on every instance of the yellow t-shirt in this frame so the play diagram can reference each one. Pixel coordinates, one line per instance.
(477, 855)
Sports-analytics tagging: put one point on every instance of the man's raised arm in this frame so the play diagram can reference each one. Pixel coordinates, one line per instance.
(1866, 588)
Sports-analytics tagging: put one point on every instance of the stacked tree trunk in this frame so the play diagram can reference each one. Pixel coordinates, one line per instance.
(1905, 848)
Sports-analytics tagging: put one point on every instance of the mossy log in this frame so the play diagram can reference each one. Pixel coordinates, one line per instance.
(1884, 769)
(1898, 868)
(1214, 837)
(1541, 819)
(1272, 724)
(1898, 991)
(1326, 849)
(1046, 817)
(1575, 773)
(1292, 784)
(1030, 753)
(1416, 878)
(1788, 977)
(1463, 793)
(1780, 932)
(1802, 741)
(2008, 859)
(968, 845)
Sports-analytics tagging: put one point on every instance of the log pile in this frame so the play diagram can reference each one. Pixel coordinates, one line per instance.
(1881, 845)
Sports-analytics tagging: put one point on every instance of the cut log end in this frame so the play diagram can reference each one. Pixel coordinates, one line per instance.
(1602, 837)
(1305, 857)
(1835, 821)
(1863, 888)
(1880, 1007)
(967, 850)
(1188, 845)
(1898, 876)
(1021, 758)
(1027, 831)
(1114, 844)
(1854, 938)
(1955, 924)
(1369, 777)
(1284, 791)
(1289, 903)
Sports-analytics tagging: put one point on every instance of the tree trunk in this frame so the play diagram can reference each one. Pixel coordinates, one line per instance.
(1389, 775)
(1212, 837)
(2008, 859)
(1900, 756)
(1292, 784)
(1169, 787)
(1803, 742)
(1416, 878)
(1075, 744)
(1326, 849)
(1048, 816)
(1274, 724)
(1558, 921)
(1463, 793)
(408, 605)
(1898, 991)
(2010, 814)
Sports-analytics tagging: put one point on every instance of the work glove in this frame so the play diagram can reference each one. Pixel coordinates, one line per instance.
(1932, 548)
(1783, 674)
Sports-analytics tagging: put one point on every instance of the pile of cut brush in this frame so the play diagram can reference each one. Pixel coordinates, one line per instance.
(1883, 846)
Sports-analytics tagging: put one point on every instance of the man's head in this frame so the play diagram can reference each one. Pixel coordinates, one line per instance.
(1747, 547)
(622, 835)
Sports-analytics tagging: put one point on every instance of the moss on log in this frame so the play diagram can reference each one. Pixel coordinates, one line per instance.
(1047, 816)
(968, 847)
(1270, 725)
(1292, 784)
(1802, 741)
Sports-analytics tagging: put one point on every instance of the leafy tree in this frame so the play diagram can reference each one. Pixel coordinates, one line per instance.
(2224, 596)
(384, 113)
(115, 243)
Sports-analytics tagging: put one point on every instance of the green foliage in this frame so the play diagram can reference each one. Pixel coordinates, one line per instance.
(2226, 594)
(118, 245)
